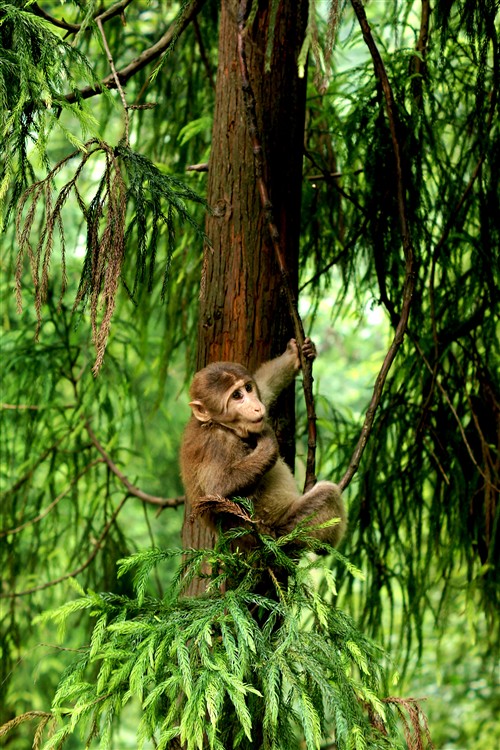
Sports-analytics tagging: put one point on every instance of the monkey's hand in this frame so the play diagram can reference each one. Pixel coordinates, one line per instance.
(240, 477)
(266, 451)
(308, 350)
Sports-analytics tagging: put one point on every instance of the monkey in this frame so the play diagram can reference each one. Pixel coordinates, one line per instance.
(229, 448)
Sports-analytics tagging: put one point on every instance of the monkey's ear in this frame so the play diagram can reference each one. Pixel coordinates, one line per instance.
(199, 411)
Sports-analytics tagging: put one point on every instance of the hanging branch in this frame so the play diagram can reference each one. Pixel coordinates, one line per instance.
(267, 207)
(117, 82)
(409, 280)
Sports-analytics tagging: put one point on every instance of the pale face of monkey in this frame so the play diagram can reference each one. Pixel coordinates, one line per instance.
(244, 411)
(239, 409)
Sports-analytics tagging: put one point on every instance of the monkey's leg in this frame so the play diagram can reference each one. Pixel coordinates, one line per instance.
(323, 502)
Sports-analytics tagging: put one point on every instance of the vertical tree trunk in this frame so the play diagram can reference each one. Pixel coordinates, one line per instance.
(243, 313)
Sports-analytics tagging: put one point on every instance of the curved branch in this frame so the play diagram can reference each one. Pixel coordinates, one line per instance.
(149, 55)
(172, 502)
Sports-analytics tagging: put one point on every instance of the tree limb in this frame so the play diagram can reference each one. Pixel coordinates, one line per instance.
(183, 20)
(171, 502)
(409, 280)
(73, 28)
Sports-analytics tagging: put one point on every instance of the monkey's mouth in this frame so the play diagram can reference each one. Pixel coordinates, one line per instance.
(257, 424)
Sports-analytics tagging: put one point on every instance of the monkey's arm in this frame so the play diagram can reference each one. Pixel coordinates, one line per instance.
(273, 376)
(231, 470)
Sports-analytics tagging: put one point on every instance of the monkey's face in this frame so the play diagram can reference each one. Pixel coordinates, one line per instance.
(225, 393)
(244, 412)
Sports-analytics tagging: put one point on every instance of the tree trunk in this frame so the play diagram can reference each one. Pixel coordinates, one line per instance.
(243, 311)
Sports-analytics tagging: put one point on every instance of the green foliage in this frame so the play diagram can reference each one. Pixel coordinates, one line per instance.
(36, 66)
(424, 510)
(203, 669)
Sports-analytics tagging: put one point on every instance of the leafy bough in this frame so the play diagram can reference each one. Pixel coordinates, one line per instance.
(262, 659)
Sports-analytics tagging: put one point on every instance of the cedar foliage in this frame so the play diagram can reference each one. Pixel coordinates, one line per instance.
(204, 668)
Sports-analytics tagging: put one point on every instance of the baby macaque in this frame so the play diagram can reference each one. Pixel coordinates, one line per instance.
(230, 449)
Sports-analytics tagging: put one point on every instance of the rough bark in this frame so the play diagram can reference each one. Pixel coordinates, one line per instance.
(243, 312)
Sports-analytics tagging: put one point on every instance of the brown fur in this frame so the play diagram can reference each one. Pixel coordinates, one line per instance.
(229, 450)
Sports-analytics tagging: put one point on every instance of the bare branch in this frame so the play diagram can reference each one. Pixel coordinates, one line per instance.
(149, 55)
(171, 502)
(113, 10)
(116, 79)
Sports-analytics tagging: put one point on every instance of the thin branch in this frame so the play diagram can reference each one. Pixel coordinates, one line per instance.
(116, 79)
(409, 280)
(171, 502)
(113, 10)
(307, 381)
(54, 502)
(149, 55)
(77, 571)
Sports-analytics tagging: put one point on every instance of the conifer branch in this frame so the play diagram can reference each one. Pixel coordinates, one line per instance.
(54, 502)
(80, 568)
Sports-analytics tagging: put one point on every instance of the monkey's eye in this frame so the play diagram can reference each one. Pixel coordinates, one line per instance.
(237, 395)
(248, 387)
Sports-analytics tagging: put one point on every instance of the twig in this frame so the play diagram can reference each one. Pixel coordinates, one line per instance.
(409, 280)
(77, 571)
(113, 10)
(250, 108)
(116, 79)
(149, 55)
(54, 502)
(171, 502)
